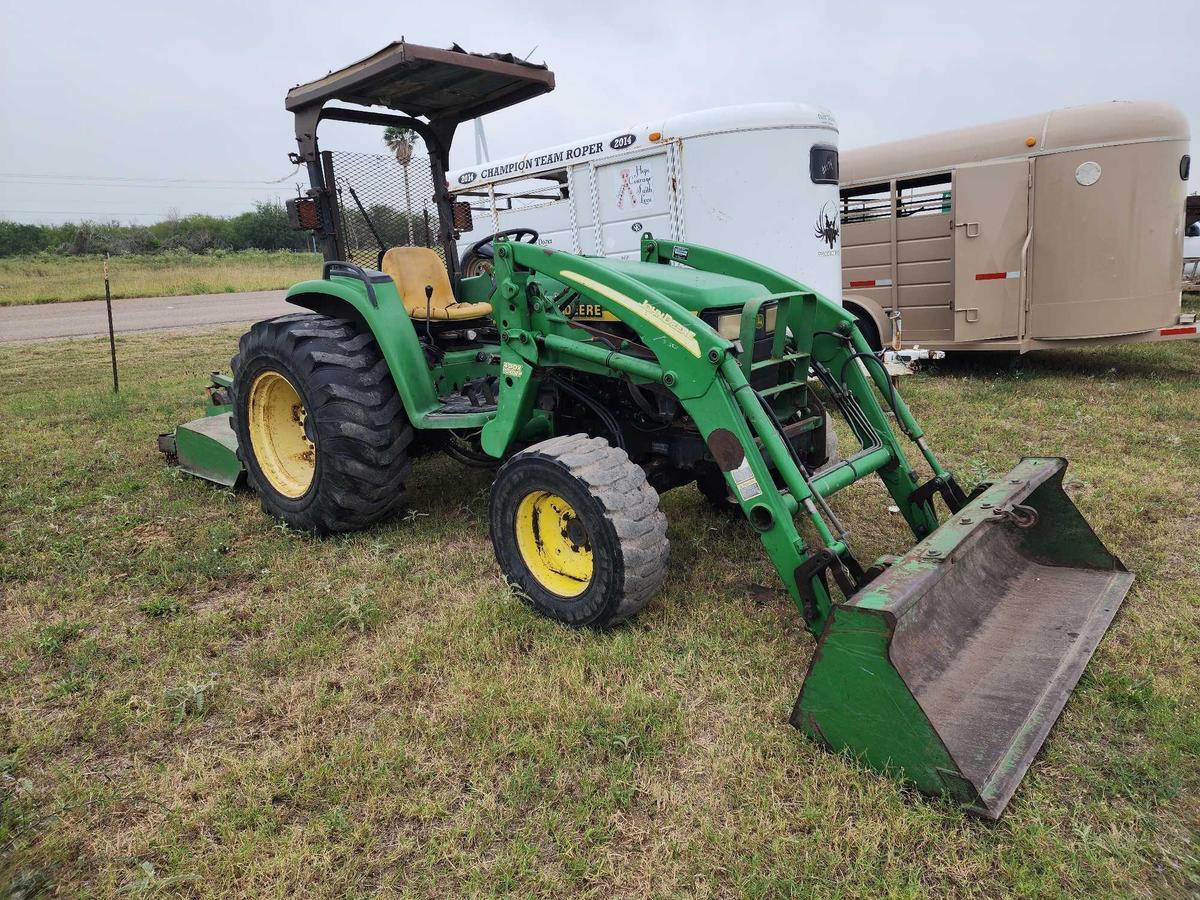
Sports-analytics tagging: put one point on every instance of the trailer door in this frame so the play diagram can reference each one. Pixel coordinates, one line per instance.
(633, 196)
(991, 222)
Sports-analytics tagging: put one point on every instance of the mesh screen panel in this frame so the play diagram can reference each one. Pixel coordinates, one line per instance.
(374, 193)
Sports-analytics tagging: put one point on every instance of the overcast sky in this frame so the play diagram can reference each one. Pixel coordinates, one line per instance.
(101, 104)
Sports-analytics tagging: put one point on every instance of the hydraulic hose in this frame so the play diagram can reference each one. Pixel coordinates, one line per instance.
(606, 418)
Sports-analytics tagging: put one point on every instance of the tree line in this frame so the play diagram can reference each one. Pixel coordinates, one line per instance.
(263, 228)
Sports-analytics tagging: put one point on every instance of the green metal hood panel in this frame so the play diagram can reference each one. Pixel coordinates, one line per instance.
(692, 289)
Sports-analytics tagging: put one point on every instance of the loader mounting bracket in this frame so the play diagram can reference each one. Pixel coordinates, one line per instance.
(846, 571)
(952, 494)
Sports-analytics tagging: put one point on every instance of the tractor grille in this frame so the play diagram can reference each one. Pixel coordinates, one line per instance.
(374, 194)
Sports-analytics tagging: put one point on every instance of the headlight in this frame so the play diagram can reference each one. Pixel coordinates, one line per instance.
(729, 325)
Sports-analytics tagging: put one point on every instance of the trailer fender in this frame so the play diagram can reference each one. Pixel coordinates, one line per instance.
(867, 310)
(390, 324)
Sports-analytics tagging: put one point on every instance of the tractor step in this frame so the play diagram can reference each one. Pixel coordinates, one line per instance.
(475, 396)
(780, 388)
(462, 404)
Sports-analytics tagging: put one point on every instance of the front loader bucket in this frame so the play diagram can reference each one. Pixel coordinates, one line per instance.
(950, 668)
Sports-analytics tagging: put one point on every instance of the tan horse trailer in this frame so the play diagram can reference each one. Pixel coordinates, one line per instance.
(1061, 229)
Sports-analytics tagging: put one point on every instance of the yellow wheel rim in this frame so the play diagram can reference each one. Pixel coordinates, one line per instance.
(554, 543)
(276, 416)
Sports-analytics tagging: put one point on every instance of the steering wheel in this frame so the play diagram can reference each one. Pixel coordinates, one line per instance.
(478, 258)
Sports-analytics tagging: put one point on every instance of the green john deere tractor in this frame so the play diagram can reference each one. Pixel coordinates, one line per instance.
(947, 664)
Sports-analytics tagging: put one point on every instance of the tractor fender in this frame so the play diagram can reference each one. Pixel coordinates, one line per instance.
(391, 326)
(866, 309)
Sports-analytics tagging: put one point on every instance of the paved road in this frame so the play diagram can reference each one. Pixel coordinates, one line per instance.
(44, 321)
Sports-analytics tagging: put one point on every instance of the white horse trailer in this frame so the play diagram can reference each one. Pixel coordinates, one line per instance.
(760, 181)
(1191, 253)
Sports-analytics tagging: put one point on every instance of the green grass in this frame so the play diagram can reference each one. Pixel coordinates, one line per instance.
(46, 278)
(195, 701)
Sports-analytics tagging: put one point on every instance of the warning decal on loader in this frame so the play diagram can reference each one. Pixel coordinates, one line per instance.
(747, 484)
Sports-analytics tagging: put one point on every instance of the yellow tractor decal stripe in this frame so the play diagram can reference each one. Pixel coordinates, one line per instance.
(644, 310)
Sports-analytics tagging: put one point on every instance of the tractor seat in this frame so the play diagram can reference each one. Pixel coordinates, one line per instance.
(412, 268)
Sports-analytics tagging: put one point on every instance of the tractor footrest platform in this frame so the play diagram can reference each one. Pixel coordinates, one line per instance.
(457, 405)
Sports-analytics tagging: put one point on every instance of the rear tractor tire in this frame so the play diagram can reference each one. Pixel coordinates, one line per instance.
(472, 265)
(578, 531)
(320, 427)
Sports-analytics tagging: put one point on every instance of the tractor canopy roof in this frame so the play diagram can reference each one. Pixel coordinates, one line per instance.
(445, 86)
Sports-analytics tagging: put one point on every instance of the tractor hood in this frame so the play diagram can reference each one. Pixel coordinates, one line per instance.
(692, 289)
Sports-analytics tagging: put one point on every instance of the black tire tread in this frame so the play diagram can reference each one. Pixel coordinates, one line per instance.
(632, 506)
(362, 431)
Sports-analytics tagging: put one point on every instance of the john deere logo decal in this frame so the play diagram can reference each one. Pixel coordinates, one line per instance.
(827, 225)
(653, 316)
(466, 177)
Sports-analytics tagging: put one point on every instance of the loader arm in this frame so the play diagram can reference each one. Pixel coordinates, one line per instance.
(831, 338)
(704, 372)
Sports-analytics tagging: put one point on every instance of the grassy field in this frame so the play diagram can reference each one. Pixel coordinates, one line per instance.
(194, 701)
(50, 279)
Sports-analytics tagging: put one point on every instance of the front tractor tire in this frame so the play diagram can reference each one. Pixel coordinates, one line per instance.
(320, 427)
(578, 531)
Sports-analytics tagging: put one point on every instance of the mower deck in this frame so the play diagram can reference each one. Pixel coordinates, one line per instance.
(205, 447)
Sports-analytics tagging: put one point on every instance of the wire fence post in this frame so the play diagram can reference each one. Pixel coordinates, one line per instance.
(112, 338)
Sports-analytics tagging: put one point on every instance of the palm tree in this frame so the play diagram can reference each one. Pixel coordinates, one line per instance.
(400, 141)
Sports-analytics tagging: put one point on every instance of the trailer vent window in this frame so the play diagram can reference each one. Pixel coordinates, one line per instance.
(519, 193)
(823, 164)
(866, 203)
(1185, 167)
(930, 195)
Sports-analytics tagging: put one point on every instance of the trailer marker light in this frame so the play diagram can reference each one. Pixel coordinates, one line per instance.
(656, 136)
(1185, 329)
(1031, 141)
(990, 276)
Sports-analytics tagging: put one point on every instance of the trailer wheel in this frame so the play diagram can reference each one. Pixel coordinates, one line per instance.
(320, 427)
(578, 532)
(869, 330)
